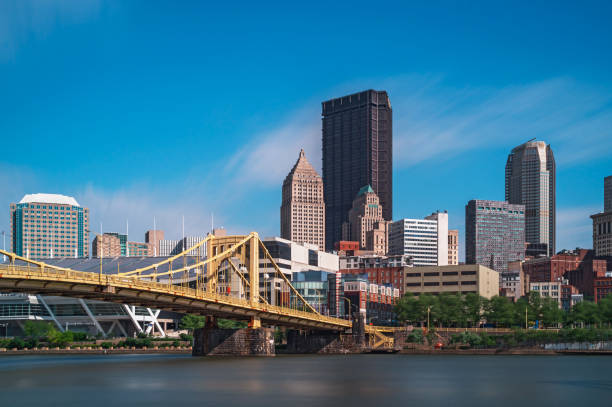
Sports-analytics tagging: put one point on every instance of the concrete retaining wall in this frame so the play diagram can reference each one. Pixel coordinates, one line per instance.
(233, 342)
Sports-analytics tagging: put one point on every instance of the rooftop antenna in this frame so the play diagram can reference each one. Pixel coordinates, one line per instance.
(529, 141)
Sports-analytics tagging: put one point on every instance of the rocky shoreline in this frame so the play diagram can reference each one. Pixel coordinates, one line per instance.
(503, 352)
(96, 351)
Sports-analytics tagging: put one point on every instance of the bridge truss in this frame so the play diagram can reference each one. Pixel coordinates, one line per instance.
(238, 279)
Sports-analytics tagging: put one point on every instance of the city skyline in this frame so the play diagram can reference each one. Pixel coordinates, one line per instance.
(179, 153)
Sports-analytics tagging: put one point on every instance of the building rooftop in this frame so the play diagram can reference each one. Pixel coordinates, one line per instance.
(303, 167)
(365, 190)
(49, 199)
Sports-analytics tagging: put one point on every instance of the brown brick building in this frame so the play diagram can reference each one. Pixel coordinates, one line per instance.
(153, 237)
(579, 267)
(602, 287)
(116, 245)
(381, 270)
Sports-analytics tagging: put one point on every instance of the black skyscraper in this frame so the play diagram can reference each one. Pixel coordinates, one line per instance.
(357, 151)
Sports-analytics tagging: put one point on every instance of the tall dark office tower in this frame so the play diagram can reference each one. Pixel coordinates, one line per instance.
(530, 181)
(357, 151)
(608, 194)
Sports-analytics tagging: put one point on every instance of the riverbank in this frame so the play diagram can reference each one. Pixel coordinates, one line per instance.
(504, 352)
(96, 351)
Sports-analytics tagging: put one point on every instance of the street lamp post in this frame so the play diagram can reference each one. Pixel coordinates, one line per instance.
(4, 244)
(349, 310)
(526, 323)
(318, 292)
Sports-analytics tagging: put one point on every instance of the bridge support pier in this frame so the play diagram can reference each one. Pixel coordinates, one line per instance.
(329, 342)
(211, 341)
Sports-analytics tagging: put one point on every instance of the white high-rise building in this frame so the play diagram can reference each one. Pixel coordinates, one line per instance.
(168, 247)
(530, 181)
(425, 240)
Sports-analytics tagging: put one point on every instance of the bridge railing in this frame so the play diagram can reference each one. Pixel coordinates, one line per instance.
(91, 278)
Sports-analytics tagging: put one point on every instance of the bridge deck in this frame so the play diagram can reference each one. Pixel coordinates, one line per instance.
(134, 291)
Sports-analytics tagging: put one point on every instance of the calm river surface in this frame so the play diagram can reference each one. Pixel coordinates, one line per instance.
(385, 380)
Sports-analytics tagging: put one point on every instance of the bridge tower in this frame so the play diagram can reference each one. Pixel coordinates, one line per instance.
(248, 260)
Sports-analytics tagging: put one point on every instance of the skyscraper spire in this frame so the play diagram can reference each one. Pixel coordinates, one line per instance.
(303, 207)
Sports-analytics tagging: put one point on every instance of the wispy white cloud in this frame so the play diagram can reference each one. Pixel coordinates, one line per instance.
(139, 204)
(23, 20)
(438, 122)
(432, 121)
(269, 157)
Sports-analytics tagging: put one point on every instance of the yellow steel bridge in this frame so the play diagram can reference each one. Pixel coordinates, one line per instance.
(197, 287)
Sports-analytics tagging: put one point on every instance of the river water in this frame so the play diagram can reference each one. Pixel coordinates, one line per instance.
(313, 380)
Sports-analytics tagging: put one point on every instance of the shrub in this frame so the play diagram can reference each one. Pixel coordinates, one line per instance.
(416, 336)
(31, 343)
(469, 338)
(60, 339)
(189, 338)
(79, 336)
(16, 343)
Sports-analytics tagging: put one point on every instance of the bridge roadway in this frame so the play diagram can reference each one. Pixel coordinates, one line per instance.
(134, 291)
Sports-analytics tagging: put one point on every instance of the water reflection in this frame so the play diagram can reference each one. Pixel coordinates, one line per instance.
(304, 380)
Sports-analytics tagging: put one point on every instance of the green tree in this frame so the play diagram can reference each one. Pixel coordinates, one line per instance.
(450, 310)
(407, 309)
(550, 312)
(230, 324)
(428, 301)
(191, 322)
(472, 309)
(585, 313)
(605, 310)
(500, 311)
(58, 338)
(36, 329)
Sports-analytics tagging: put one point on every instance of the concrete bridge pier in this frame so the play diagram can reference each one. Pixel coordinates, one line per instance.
(329, 342)
(213, 341)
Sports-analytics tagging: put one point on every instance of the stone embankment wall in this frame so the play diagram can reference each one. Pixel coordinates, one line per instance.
(580, 346)
(233, 342)
(322, 342)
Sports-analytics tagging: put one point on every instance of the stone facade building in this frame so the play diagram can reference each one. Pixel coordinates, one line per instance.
(608, 193)
(530, 181)
(303, 208)
(366, 224)
(453, 247)
(357, 151)
(602, 223)
(494, 233)
(461, 279)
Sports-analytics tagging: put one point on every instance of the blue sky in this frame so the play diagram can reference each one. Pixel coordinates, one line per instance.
(142, 109)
